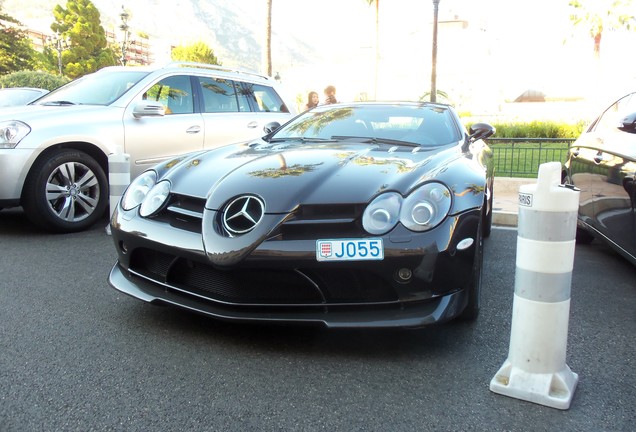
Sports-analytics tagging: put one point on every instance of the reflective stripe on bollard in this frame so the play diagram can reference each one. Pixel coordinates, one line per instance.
(118, 178)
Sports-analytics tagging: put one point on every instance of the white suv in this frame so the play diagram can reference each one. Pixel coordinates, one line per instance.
(54, 153)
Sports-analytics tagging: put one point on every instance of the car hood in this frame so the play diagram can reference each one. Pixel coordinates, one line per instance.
(50, 113)
(287, 175)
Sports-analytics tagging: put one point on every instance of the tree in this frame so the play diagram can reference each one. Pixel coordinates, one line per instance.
(80, 25)
(268, 39)
(426, 97)
(16, 50)
(602, 15)
(198, 52)
(377, 44)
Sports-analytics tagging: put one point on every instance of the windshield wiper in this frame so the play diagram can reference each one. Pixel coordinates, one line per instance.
(58, 103)
(373, 140)
(301, 139)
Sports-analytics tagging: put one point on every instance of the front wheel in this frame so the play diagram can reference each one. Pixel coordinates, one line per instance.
(471, 311)
(66, 191)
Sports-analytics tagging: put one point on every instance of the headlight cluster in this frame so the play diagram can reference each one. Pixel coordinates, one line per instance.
(12, 132)
(145, 191)
(421, 210)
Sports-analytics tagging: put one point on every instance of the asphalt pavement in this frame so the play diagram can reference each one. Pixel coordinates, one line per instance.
(76, 355)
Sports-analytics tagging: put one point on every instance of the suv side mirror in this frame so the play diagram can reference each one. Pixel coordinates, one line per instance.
(480, 131)
(628, 124)
(271, 127)
(146, 108)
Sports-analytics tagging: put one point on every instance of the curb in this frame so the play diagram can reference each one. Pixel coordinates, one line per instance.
(506, 202)
(504, 218)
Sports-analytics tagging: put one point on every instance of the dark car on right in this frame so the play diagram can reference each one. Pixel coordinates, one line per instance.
(602, 164)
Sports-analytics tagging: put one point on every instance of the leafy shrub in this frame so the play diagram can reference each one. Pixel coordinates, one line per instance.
(43, 80)
(538, 129)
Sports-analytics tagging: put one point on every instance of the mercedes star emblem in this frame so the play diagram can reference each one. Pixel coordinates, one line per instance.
(242, 214)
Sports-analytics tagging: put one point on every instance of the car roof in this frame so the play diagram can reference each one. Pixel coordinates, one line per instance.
(197, 68)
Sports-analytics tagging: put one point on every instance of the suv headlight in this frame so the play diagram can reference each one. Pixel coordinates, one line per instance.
(138, 189)
(12, 132)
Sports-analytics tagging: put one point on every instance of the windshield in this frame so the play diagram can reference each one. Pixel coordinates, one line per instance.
(422, 125)
(100, 88)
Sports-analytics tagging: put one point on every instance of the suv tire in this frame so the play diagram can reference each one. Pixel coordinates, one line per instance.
(66, 191)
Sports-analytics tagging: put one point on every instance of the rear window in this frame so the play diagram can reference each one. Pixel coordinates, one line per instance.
(264, 98)
(222, 95)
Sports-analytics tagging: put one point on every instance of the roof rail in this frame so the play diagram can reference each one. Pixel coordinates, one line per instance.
(213, 67)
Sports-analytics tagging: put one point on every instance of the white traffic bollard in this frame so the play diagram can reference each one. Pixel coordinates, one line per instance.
(118, 178)
(535, 370)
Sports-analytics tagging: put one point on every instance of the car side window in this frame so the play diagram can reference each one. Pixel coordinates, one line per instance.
(221, 95)
(609, 121)
(265, 99)
(175, 93)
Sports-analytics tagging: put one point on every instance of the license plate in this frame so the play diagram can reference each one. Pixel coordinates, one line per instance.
(350, 249)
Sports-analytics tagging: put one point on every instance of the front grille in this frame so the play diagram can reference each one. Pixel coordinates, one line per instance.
(245, 287)
(183, 212)
(323, 221)
(273, 287)
(317, 221)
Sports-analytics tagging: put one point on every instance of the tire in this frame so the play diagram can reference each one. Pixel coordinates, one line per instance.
(471, 312)
(583, 237)
(487, 224)
(67, 191)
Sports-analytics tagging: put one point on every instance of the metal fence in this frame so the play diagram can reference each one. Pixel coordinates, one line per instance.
(521, 157)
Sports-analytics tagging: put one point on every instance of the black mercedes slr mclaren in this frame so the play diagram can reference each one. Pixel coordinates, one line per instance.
(350, 215)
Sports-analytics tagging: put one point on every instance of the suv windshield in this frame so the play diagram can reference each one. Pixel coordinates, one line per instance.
(101, 88)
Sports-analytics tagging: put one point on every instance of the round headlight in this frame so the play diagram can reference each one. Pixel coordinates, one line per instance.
(155, 198)
(382, 214)
(138, 189)
(426, 207)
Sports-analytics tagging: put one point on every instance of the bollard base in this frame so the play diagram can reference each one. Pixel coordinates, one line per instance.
(554, 390)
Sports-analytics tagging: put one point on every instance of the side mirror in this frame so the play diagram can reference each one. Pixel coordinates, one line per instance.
(480, 131)
(271, 127)
(146, 108)
(628, 124)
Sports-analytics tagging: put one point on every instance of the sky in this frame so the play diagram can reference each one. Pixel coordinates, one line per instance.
(506, 47)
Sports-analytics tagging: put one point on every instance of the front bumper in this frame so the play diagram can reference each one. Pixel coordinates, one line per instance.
(399, 315)
(281, 281)
(14, 163)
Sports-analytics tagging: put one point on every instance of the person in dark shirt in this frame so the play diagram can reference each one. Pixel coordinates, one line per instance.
(330, 94)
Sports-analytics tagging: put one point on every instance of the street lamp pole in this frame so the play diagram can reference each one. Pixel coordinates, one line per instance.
(434, 62)
(60, 45)
(124, 27)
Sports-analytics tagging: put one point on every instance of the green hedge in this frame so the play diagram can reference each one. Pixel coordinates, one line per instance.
(43, 80)
(538, 129)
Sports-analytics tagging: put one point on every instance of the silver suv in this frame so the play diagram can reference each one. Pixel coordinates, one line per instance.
(54, 154)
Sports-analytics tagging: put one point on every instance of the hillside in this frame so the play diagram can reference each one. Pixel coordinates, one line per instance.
(225, 25)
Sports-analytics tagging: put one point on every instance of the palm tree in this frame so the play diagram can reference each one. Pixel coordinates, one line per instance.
(268, 39)
(601, 15)
(377, 44)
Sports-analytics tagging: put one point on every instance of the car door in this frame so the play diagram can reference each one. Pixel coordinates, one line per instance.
(266, 104)
(150, 140)
(614, 169)
(226, 112)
